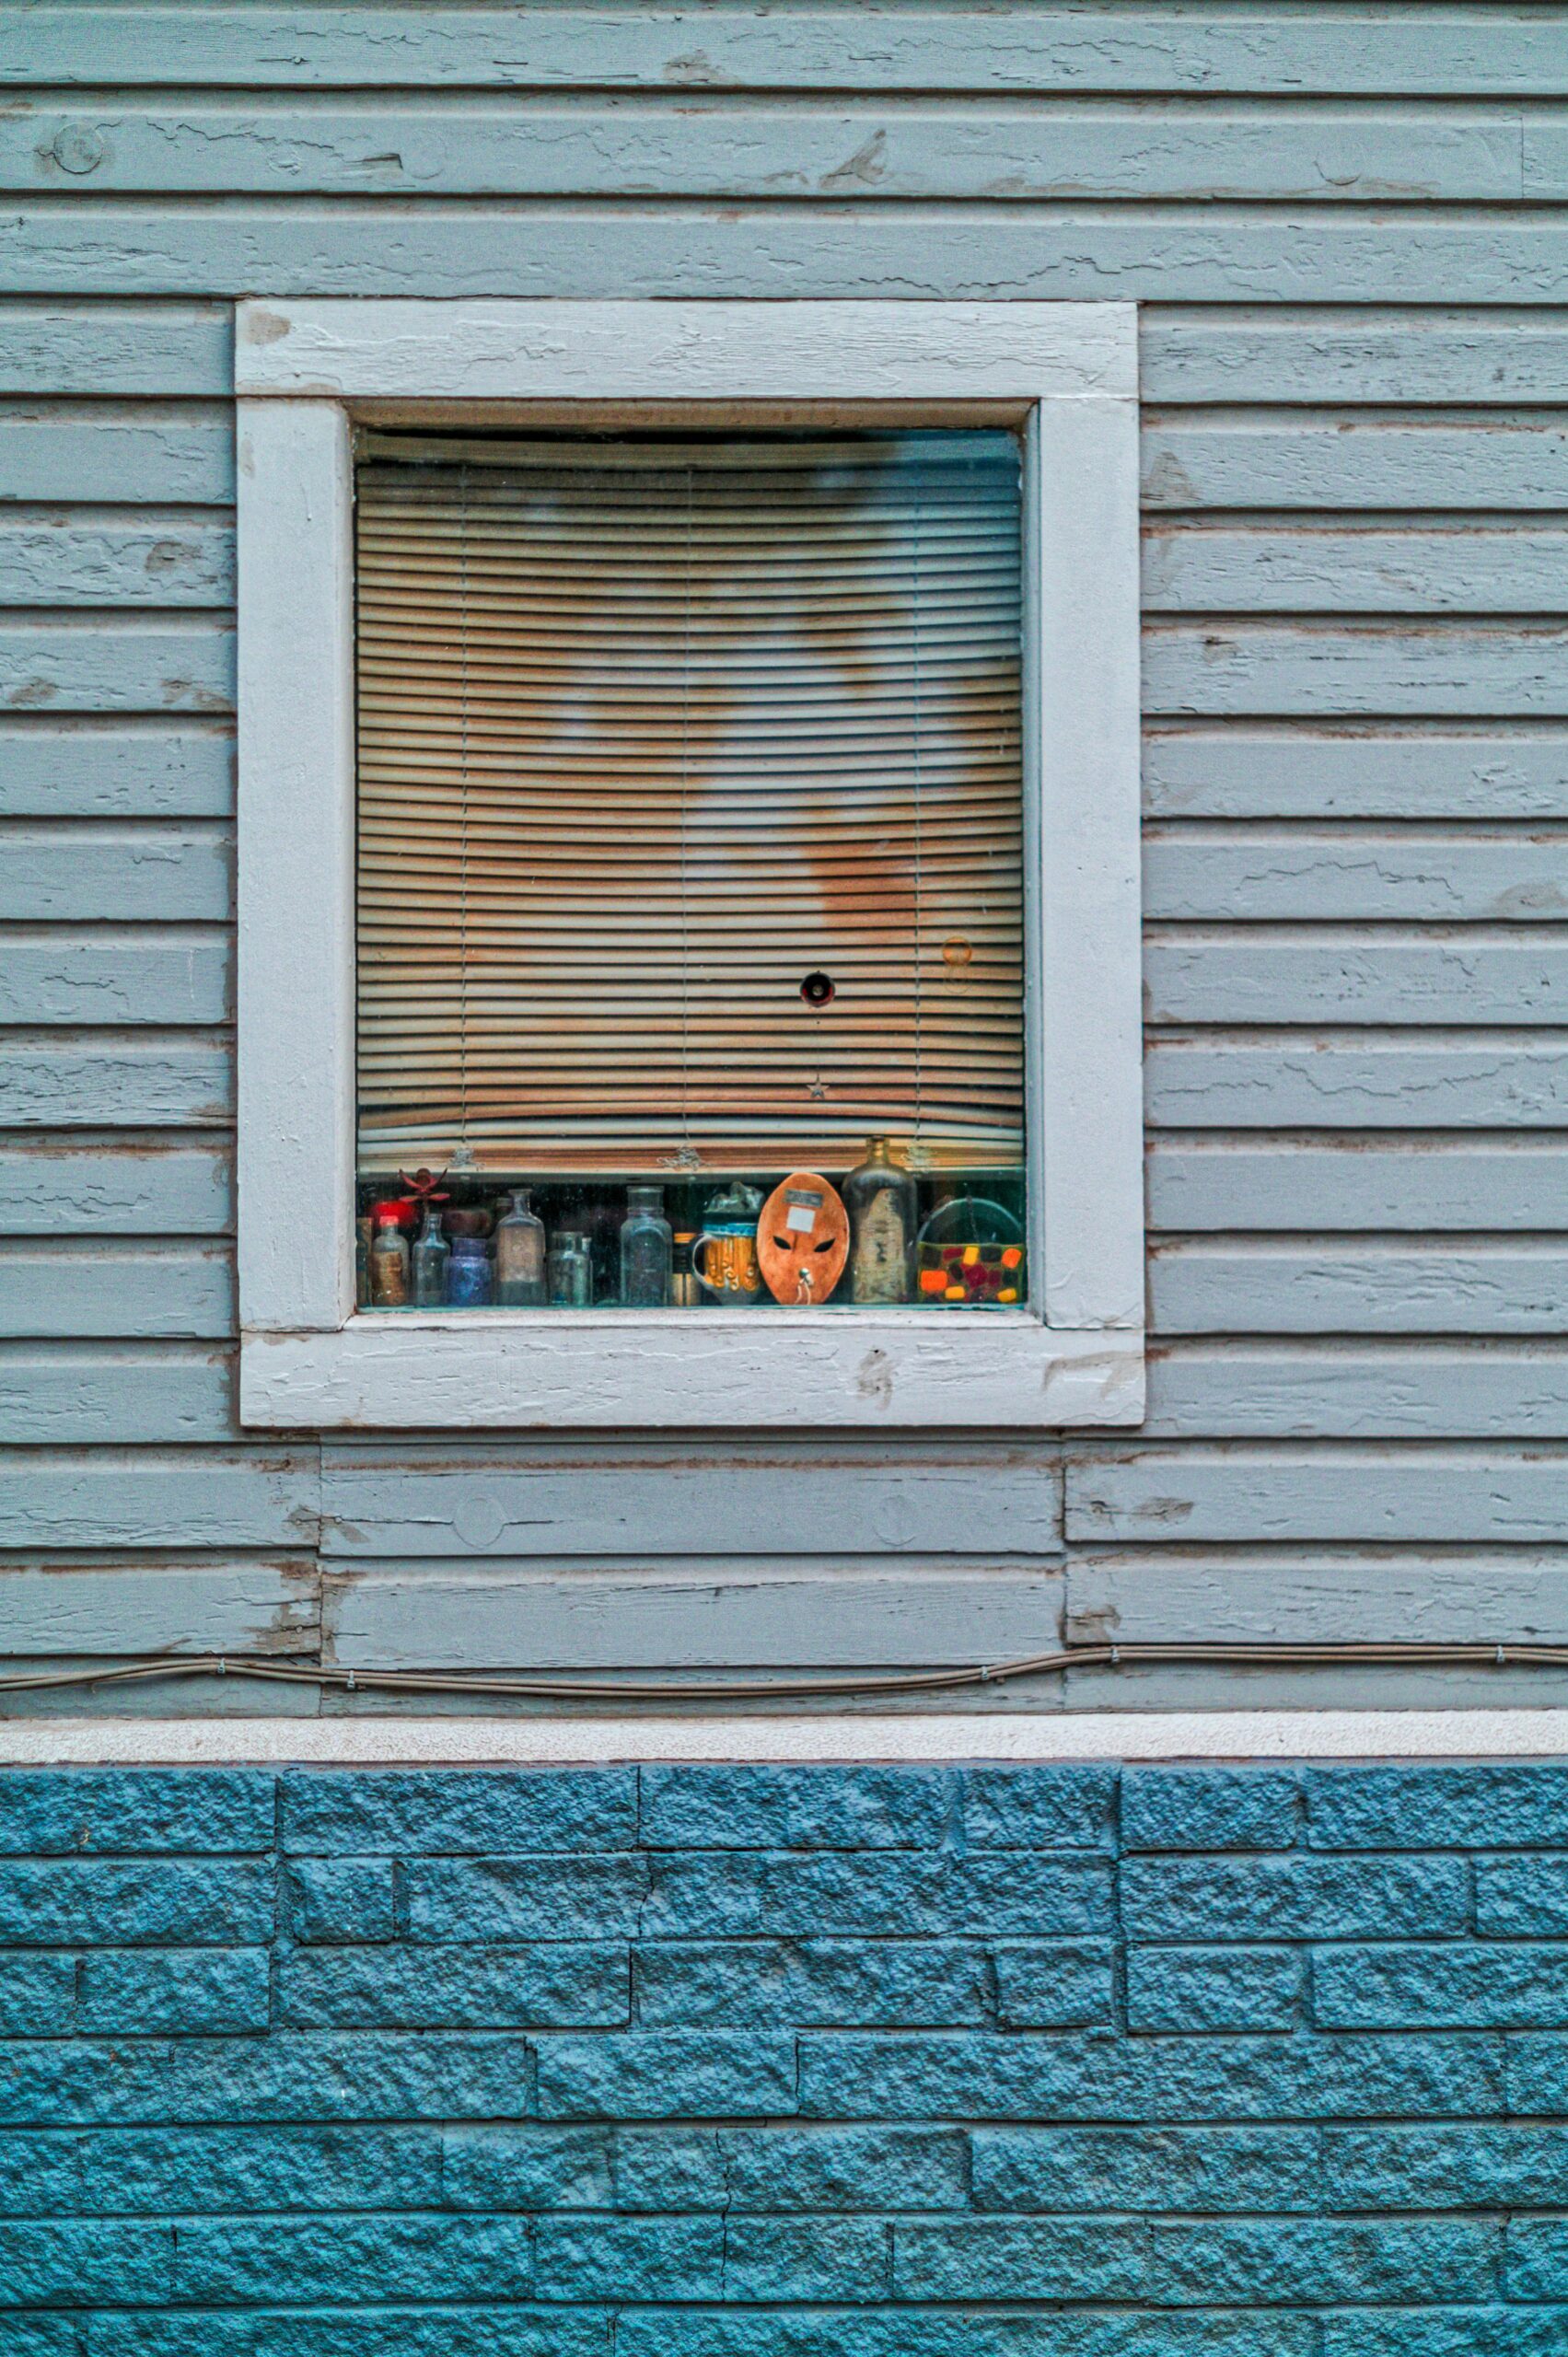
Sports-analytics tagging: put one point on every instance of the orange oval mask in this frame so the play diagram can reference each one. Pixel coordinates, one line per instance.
(803, 1240)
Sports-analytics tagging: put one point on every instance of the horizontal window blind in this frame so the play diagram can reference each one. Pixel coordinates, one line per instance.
(650, 733)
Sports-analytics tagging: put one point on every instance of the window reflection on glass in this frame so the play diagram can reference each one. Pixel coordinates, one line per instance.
(690, 950)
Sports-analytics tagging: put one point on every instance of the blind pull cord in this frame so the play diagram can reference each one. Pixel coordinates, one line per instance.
(463, 1158)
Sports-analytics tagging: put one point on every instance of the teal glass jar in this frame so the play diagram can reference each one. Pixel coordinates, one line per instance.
(569, 1270)
(648, 1251)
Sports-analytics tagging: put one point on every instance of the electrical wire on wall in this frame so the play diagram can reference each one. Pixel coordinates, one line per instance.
(766, 1689)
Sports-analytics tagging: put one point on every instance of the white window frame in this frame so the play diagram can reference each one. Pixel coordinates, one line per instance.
(309, 1359)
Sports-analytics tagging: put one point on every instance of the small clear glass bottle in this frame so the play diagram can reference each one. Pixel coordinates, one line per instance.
(389, 1264)
(881, 1201)
(520, 1255)
(648, 1251)
(431, 1254)
(570, 1271)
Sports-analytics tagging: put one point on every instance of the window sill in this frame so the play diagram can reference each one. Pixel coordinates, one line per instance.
(692, 1368)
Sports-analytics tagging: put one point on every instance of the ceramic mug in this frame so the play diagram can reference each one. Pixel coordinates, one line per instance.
(724, 1259)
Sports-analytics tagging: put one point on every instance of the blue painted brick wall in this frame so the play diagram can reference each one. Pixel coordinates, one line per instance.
(768, 2062)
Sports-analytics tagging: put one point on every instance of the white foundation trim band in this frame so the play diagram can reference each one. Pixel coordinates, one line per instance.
(548, 1742)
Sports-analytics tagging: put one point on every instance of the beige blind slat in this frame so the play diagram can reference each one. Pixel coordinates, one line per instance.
(649, 731)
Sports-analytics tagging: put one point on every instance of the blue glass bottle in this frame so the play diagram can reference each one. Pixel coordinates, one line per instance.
(469, 1283)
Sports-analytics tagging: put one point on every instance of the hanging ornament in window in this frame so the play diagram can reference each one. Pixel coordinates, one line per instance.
(803, 1240)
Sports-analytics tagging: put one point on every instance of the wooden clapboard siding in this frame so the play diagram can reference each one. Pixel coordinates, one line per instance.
(1419, 1184)
(1348, 1387)
(73, 1392)
(162, 557)
(1427, 53)
(133, 453)
(64, 1186)
(144, 869)
(255, 1605)
(159, 350)
(758, 1610)
(141, 768)
(113, 1499)
(680, 144)
(1262, 873)
(83, 244)
(124, 661)
(92, 1286)
(1345, 225)
(1365, 769)
(171, 975)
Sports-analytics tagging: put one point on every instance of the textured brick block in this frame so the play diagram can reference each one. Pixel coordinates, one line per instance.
(1054, 1985)
(343, 2258)
(1210, 1808)
(1146, 2168)
(807, 2259)
(630, 2258)
(1427, 1987)
(1046, 1809)
(54, 2262)
(42, 2337)
(672, 2168)
(1018, 2258)
(544, 1897)
(1323, 2262)
(765, 1808)
(663, 2074)
(780, 1981)
(1214, 1989)
(874, 1893)
(187, 2333)
(1449, 2332)
(340, 1900)
(209, 1990)
(1088, 2076)
(211, 2169)
(843, 2169)
(1536, 2265)
(59, 2082)
(431, 1811)
(510, 2167)
(1462, 2166)
(54, 1811)
(39, 2175)
(784, 2169)
(1470, 1804)
(1522, 1899)
(37, 1995)
(1200, 1901)
(295, 2076)
(488, 2331)
(966, 2332)
(122, 1903)
(567, 1984)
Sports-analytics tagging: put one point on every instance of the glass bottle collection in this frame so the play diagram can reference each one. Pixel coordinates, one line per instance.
(603, 1248)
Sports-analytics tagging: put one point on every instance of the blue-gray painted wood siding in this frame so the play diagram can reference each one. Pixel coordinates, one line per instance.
(1345, 226)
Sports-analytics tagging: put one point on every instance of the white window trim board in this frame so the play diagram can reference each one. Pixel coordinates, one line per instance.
(308, 1359)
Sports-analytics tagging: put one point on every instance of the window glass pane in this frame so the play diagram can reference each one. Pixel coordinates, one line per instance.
(689, 861)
